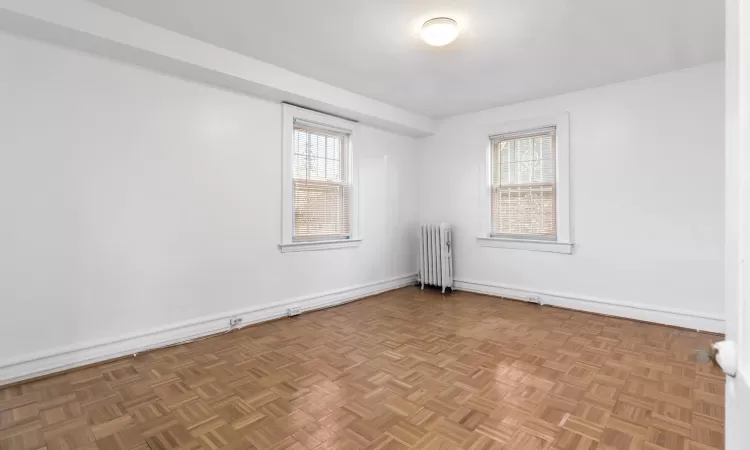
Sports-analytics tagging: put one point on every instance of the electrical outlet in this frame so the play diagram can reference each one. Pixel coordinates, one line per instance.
(235, 321)
(293, 311)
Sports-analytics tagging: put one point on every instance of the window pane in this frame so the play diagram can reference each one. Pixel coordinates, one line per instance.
(524, 160)
(321, 210)
(318, 156)
(527, 211)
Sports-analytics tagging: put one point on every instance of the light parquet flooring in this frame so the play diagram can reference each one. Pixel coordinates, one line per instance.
(405, 369)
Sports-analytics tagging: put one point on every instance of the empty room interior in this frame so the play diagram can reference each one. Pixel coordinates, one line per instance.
(360, 224)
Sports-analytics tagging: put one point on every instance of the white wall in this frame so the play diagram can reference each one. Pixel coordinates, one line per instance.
(132, 200)
(647, 195)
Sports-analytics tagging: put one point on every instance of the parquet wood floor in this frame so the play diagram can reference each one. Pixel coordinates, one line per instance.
(405, 369)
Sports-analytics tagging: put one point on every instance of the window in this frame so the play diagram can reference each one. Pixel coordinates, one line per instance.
(318, 182)
(523, 185)
(321, 184)
(526, 196)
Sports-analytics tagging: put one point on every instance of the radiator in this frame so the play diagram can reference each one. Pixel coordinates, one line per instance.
(435, 256)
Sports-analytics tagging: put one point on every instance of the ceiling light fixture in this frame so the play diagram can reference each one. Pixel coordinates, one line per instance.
(439, 31)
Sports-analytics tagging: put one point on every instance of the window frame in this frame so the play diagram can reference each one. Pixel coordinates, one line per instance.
(563, 243)
(290, 113)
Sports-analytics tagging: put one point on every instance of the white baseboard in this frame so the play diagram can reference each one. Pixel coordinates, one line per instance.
(668, 316)
(75, 356)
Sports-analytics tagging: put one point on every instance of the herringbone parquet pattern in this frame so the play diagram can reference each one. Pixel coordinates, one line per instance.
(405, 369)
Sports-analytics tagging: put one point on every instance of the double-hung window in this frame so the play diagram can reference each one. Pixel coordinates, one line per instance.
(524, 191)
(527, 196)
(319, 181)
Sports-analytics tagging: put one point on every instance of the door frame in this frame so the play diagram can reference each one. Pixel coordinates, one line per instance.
(737, 216)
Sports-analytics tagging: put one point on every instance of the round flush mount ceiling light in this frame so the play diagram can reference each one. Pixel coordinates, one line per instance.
(439, 31)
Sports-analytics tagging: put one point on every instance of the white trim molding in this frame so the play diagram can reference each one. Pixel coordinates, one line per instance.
(319, 245)
(64, 358)
(561, 122)
(527, 244)
(290, 113)
(668, 316)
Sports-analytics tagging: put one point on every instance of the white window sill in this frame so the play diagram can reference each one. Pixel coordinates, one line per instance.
(318, 245)
(527, 244)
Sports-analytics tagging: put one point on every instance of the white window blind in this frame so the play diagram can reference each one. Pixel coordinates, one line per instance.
(321, 183)
(524, 197)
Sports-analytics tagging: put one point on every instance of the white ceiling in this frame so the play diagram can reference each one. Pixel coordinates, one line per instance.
(508, 51)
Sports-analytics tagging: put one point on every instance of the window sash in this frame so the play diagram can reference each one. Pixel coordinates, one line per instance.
(524, 212)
